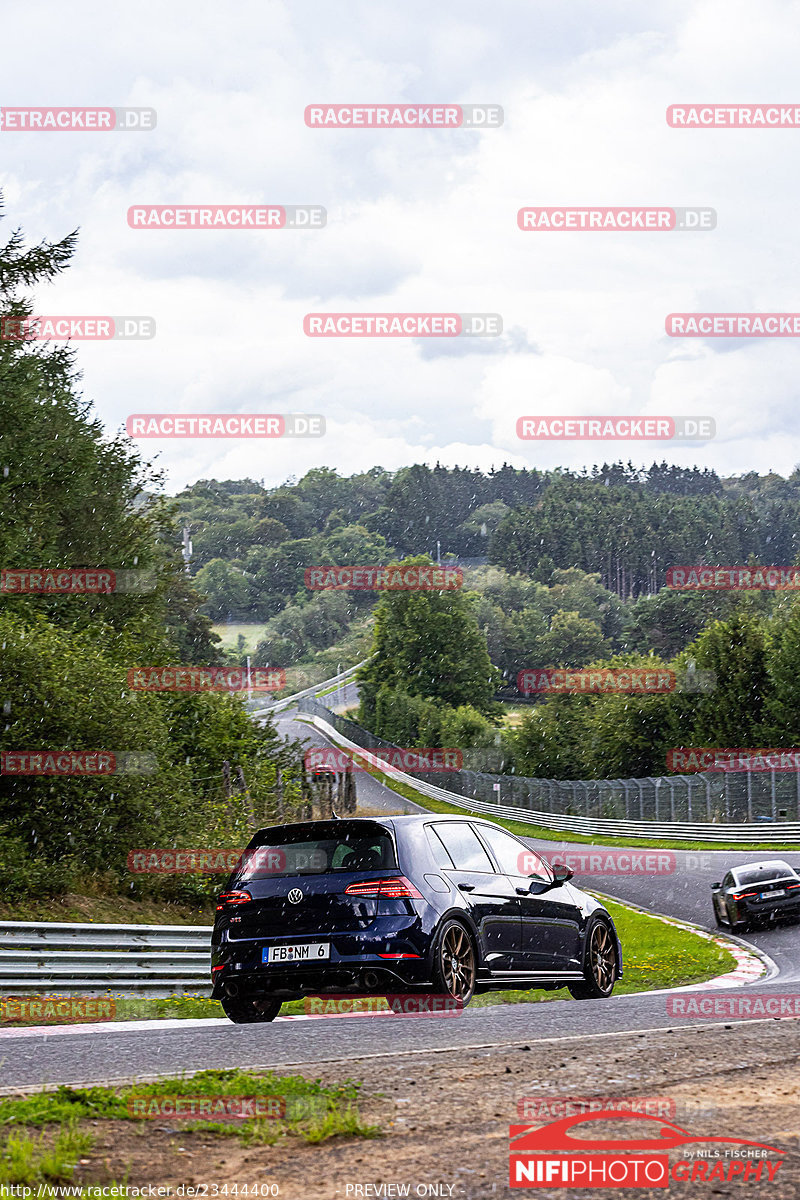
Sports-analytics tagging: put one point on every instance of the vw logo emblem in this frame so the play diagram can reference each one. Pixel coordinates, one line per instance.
(295, 896)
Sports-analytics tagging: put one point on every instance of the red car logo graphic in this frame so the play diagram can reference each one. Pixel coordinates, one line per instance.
(558, 1135)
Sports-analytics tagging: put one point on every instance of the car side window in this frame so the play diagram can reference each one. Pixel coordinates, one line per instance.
(440, 855)
(728, 880)
(513, 857)
(464, 847)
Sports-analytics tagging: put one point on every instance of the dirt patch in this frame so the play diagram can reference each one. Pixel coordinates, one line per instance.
(446, 1115)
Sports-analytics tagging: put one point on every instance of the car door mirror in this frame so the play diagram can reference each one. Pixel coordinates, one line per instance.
(561, 873)
(716, 885)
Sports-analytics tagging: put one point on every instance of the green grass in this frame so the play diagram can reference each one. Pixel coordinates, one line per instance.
(229, 634)
(42, 1159)
(106, 907)
(335, 687)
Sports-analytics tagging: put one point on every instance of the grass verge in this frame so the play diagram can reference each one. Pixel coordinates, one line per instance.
(47, 1137)
(107, 908)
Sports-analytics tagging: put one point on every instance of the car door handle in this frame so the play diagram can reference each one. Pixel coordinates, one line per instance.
(467, 887)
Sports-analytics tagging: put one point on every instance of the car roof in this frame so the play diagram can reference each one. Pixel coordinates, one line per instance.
(400, 819)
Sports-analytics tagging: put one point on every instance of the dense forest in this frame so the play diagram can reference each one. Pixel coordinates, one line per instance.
(251, 544)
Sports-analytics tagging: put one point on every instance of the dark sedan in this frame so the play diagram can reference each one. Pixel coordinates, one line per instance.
(755, 894)
(429, 904)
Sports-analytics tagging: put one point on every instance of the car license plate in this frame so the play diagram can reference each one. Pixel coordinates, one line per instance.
(302, 952)
(771, 895)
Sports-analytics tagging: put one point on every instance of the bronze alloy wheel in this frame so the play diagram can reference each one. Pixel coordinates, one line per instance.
(602, 958)
(600, 966)
(456, 962)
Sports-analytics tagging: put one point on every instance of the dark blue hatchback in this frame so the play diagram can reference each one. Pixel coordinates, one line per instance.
(365, 906)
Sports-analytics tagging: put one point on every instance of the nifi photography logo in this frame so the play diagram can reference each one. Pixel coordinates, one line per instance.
(565, 1154)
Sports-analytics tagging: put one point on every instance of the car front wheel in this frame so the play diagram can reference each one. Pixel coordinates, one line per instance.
(600, 965)
(249, 1012)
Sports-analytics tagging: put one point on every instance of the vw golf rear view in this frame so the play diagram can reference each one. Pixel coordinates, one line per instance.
(446, 904)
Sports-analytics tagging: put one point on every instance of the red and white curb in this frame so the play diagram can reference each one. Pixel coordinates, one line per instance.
(752, 964)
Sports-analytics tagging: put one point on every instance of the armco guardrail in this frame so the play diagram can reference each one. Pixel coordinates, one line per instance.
(288, 701)
(607, 803)
(139, 960)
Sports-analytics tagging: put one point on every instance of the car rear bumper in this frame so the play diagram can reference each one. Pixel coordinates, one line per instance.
(764, 910)
(367, 978)
(366, 963)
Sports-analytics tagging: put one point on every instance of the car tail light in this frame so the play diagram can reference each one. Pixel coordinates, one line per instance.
(399, 956)
(743, 895)
(228, 898)
(790, 887)
(393, 889)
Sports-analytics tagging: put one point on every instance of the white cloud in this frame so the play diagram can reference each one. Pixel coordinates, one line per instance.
(418, 221)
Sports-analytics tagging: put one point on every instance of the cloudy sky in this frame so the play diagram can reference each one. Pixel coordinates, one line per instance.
(418, 221)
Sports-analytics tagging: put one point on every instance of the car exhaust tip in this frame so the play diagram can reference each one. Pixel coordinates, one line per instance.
(371, 979)
(231, 989)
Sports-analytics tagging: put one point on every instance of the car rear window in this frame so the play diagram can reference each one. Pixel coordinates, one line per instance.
(341, 847)
(760, 874)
